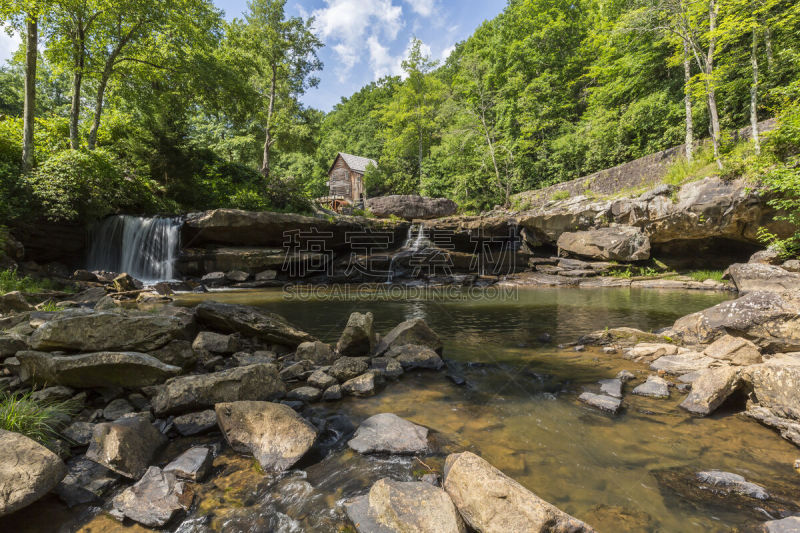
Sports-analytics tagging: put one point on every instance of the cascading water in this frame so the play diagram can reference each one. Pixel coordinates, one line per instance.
(415, 241)
(145, 248)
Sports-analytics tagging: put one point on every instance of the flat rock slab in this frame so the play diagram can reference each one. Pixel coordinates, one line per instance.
(654, 387)
(400, 507)
(252, 322)
(79, 433)
(154, 500)
(730, 482)
(193, 464)
(126, 446)
(85, 482)
(681, 363)
(790, 524)
(710, 389)
(612, 387)
(388, 433)
(195, 423)
(28, 471)
(414, 331)
(601, 401)
(274, 433)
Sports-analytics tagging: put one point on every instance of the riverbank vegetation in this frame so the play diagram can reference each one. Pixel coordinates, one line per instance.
(33, 417)
(154, 107)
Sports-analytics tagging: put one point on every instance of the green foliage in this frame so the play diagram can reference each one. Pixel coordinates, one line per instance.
(11, 281)
(702, 275)
(38, 420)
(559, 195)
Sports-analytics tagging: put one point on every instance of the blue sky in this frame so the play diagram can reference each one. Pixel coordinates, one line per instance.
(367, 39)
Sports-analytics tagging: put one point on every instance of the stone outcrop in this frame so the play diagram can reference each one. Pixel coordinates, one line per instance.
(154, 500)
(711, 389)
(411, 207)
(775, 384)
(192, 393)
(388, 433)
(358, 338)
(274, 433)
(251, 322)
(317, 352)
(13, 302)
(730, 482)
(127, 446)
(491, 502)
(28, 471)
(750, 277)
(734, 350)
(613, 243)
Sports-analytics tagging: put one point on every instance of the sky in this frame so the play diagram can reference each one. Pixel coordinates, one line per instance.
(366, 39)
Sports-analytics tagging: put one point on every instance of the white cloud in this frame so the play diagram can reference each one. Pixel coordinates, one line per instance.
(382, 62)
(447, 51)
(424, 8)
(8, 44)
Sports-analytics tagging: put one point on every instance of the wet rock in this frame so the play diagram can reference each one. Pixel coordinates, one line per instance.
(305, 394)
(123, 369)
(612, 387)
(682, 363)
(625, 376)
(346, 368)
(154, 500)
(106, 330)
(237, 276)
(251, 322)
(85, 482)
(736, 350)
(53, 394)
(613, 243)
(176, 353)
(601, 401)
(276, 435)
(654, 387)
(358, 338)
(649, 351)
(124, 283)
(193, 464)
(788, 429)
(126, 446)
(214, 279)
(117, 409)
(415, 356)
(192, 393)
(363, 385)
(388, 433)
(14, 302)
(790, 524)
(208, 341)
(195, 423)
(609, 350)
(711, 389)
(317, 352)
(11, 344)
(729, 482)
(414, 331)
(751, 277)
(388, 367)
(321, 380)
(266, 275)
(400, 507)
(79, 433)
(775, 383)
(332, 393)
(491, 502)
(28, 471)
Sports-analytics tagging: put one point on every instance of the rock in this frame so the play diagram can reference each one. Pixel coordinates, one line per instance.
(101, 369)
(321, 380)
(28, 471)
(305, 394)
(317, 352)
(729, 482)
(258, 357)
(79, 433)
(358, 338)
(193, 464)
(770, 320)
(388, 433)
(387, 367)
(400, 507)
(775, 383)
(625, 376)
(711, 389)
(613, 243)
(52, 394)
(790, 524)
(788, 428)
(296, 370)
(609, 350)
(332, 393)
(191, 393)
(649, 351)
(14, 302)
(411, 207)
(208, 341)
(770, 256)
(266, 275)
(414, 331)
(237, 276)
(117, 409)
(579, 348)
(415, 356)
(124, 283)
(251, 322)
(792, 265)
(751, 277)
(601, 401)
(346, 368)
(654, 387)
(11, 344)
(214, 279)
(491, 502)
(612, 387)
(363, 385)
(126, 446)
(682, 363)
(195, 423)
(736, 350)
(85, 482)
(176, 353)
(105, 330)
(155, 499)
(276, 435)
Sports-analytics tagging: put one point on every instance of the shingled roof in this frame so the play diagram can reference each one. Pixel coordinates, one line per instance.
(357, 163)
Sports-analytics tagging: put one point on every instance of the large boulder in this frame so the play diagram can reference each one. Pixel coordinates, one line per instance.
(358, 338)
(346, 368)
(613, 243)
(414, 356)
(317, 352)
(127, 446)
(251, 322)
(400, 507)
(771, 320)
(414, 331)
(749, 277)
(209, 341)
(14, 302)
(11, 344)
(491, 502)
(274, 433)
(388, 433)
(154, 500)
(775, 384)
(101, 331)
(735, 350)
(100, 369)
(411, 207)
(193, 393)
(711, 389)
(28, 471)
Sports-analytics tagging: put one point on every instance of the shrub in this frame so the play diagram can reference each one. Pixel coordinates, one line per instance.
(33, 418)
(559, 195)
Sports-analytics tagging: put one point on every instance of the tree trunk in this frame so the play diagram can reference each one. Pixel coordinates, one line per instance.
(768, 46)
(29, 110)
(710, 85)
(98, 109)
(687, 101)
(268, 129)
(754, 93)
(77, 80)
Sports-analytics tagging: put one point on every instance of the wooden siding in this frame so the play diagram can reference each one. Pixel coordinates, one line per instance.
(345, 182)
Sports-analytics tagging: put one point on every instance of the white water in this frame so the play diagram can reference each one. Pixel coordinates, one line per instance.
(145, 248)
(415, 241)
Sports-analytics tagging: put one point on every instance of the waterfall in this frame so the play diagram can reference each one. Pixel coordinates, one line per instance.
(145, 248)
(415, 241)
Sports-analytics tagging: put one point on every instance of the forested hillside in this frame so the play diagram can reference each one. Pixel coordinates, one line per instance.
(151, 107)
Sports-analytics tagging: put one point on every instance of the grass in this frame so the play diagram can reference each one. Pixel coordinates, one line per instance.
(559, 195)
(33, 418)
(702, 275)
(11, 281)
(49, 306)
